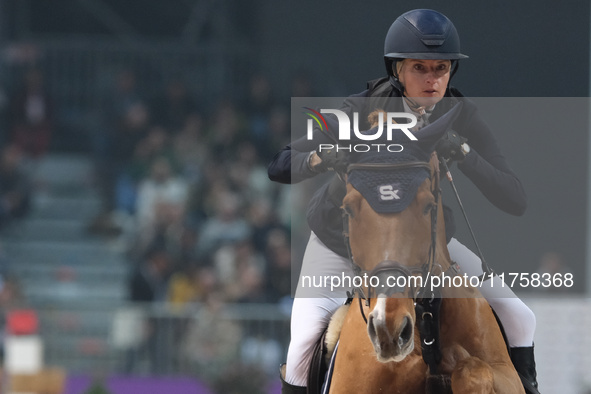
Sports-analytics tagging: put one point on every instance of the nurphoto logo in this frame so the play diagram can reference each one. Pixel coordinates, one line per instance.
(385, 122)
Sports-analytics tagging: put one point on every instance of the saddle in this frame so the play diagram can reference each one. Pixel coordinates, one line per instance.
(318, 366)
(324, 349)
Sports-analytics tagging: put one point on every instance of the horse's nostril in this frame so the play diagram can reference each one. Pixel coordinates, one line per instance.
(405, 332)
(371, 330)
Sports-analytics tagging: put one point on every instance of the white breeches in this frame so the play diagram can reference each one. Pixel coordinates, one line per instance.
(314, 305)
(518, 320)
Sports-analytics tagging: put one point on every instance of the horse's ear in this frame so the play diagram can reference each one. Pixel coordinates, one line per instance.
(430, 134)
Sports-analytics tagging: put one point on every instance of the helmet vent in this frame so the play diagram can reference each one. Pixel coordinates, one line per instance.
(433, 42)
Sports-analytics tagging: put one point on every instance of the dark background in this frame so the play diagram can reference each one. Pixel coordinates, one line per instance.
(521, 48)
(518, 49)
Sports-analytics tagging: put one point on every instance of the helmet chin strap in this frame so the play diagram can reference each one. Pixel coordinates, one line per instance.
(416, 107)
(394, 81)
(421, 110)
(454, 68)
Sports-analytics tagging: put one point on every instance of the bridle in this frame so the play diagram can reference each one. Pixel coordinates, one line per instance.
(427, 301)
(426, 270)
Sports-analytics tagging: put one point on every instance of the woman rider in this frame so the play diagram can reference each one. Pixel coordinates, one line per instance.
(421, 52)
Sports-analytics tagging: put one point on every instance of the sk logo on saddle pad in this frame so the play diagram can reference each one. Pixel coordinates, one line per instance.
(388, 192)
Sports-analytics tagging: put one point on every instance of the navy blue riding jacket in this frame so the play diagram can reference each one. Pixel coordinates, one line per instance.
(484, 165)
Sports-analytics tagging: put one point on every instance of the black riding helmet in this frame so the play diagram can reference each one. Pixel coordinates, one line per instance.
(421, 34)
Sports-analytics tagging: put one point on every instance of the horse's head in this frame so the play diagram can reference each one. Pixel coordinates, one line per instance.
(392, 207)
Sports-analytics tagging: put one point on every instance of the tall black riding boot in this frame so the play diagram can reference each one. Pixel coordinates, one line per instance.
(525, 364)
(287, 388)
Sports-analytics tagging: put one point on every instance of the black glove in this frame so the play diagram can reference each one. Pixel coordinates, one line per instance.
(452, 146)
(332, 160)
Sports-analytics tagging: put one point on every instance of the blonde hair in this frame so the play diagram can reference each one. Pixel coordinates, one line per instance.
(399, 64)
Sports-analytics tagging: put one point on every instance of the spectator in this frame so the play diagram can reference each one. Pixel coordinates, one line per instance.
(32, 115)
(161, 201)
(241, 272)
(183, 245)
(153, 146)
(214, 186)
(10, 297)
(190, 149)
(15, 187)
(247, 174)
(278, 255)
(258, 107)
(212, 342)
(179, 239)
(279, 133)
(263, 221)
(191, 284)
(225, 226)
(148, 284)
(127, 122)
(149, 281)
(173, 107)
(226, 132)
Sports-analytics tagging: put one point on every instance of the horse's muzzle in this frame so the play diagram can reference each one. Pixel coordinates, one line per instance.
(390, 343)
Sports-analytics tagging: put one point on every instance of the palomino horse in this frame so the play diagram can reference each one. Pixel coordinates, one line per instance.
(380, 349)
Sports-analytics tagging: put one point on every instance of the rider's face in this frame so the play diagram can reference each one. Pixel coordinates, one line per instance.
(425, 81)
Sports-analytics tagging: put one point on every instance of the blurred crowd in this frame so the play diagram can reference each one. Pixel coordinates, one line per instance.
(185, 188)
(183, 185)
(186, 195)
(26, 121)
(27, 124)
